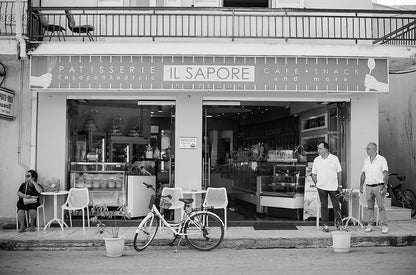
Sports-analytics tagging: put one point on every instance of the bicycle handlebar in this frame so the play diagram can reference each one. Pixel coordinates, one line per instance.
(151, 187)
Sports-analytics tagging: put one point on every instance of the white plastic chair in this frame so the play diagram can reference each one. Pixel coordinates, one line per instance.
(363, 204)
(78, 199)
(41, 206)
(17, 219)
(217, 198)
(176, 194)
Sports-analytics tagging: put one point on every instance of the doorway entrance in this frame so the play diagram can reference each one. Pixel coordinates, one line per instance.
(261, 152)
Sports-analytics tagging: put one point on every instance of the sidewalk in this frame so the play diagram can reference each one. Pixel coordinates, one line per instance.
(401, 233)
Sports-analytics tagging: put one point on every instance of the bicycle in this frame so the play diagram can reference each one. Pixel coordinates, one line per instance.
(405, 198)
(202, 229)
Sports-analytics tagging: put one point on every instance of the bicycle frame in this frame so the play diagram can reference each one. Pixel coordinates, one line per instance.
(177, 228)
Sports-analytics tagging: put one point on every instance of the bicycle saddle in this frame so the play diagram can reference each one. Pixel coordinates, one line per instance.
(186, 201)
(402, 178)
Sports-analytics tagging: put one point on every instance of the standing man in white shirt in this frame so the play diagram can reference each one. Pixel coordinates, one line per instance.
(326, 174)
(375, 176)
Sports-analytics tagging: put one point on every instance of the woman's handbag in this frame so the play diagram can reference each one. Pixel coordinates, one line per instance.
(30, 200)
(27, 201)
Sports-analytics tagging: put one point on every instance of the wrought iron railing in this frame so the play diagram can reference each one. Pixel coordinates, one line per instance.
(407, 33)
(8, 10)
(106, 23)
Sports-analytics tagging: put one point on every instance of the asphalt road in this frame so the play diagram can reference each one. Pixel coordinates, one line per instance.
(371, 260)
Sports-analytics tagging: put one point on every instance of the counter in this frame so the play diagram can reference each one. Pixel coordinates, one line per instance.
(267, 184)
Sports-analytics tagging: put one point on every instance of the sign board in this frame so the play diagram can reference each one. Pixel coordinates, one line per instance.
(7, 104)
(187, 142)
(210, 73)
(310, 200)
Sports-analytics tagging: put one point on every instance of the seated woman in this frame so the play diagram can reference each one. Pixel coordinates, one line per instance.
(30, 189)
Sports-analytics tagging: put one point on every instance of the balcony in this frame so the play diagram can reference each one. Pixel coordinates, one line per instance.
(132, 23)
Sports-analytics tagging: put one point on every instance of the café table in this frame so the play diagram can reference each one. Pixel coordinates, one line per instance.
(193, 193)
(55, 209)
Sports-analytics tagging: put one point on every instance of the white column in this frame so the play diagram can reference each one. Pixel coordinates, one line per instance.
(188, 123)
(364, 129)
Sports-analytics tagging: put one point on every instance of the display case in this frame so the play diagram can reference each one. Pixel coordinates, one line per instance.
(244, 176)
(88, 146)
(127, 149)
(287, 181)
(314, 123)
(105, 181)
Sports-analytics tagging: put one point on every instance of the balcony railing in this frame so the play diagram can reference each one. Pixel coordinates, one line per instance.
(8, 10)
(110, 23)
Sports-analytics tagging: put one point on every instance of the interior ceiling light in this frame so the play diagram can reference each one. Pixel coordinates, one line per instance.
(155, 102)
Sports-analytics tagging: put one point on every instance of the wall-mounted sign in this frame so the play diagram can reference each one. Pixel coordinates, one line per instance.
(187, 142)
(7, 105)
(2, 73)
(210, 73)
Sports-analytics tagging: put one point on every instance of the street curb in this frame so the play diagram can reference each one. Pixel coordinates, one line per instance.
(242, 243)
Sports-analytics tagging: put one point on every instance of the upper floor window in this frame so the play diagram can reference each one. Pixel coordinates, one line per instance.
(246, 3)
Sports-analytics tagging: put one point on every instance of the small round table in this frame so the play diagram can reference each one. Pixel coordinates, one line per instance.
(193, 193)
(55, 209)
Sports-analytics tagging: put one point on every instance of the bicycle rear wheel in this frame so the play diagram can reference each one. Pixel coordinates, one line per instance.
(146, 232)
(409, 200)
(204, 231)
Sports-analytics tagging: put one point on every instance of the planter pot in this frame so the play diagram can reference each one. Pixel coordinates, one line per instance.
(341, 241)
(114, 246)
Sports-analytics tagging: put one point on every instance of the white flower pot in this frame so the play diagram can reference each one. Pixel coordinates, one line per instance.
(341, 241)
(114, 246)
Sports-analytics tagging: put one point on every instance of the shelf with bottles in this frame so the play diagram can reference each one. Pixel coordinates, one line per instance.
(288, 180)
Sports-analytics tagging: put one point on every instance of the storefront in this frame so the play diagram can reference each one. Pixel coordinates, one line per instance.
(248, 123)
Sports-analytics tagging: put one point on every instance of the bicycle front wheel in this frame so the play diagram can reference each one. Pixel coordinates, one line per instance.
(204, 231)
(409, 200)
(146, 232)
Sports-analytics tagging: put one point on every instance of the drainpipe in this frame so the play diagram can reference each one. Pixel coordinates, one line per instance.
(19, 23)
(22, 56)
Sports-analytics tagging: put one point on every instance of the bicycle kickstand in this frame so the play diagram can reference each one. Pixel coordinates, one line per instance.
(177, 246)
(173, 241)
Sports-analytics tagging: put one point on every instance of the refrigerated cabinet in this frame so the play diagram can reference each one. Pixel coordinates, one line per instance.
(127, 149)
(105, 181)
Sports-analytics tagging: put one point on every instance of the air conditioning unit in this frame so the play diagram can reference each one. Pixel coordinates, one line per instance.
(288, 3)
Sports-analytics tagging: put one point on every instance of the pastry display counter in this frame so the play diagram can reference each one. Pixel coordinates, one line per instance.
(104, 180)
(269, 184)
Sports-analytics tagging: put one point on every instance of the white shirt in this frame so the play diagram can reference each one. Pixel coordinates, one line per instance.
(326, 170)
(374, 170)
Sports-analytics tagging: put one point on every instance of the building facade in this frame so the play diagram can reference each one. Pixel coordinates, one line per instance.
(203, 89)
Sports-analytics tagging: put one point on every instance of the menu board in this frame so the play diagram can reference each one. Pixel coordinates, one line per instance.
(7, 105)
(310, 201)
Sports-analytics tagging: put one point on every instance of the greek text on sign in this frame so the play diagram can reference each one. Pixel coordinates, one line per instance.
(211, 73)
(187, 142)
(208, 73)
(6, 103)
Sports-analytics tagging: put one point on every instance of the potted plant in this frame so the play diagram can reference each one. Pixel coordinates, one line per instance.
(114, 243)
(341, 239)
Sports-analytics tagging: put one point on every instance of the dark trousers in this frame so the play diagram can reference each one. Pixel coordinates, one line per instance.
(323, 197)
